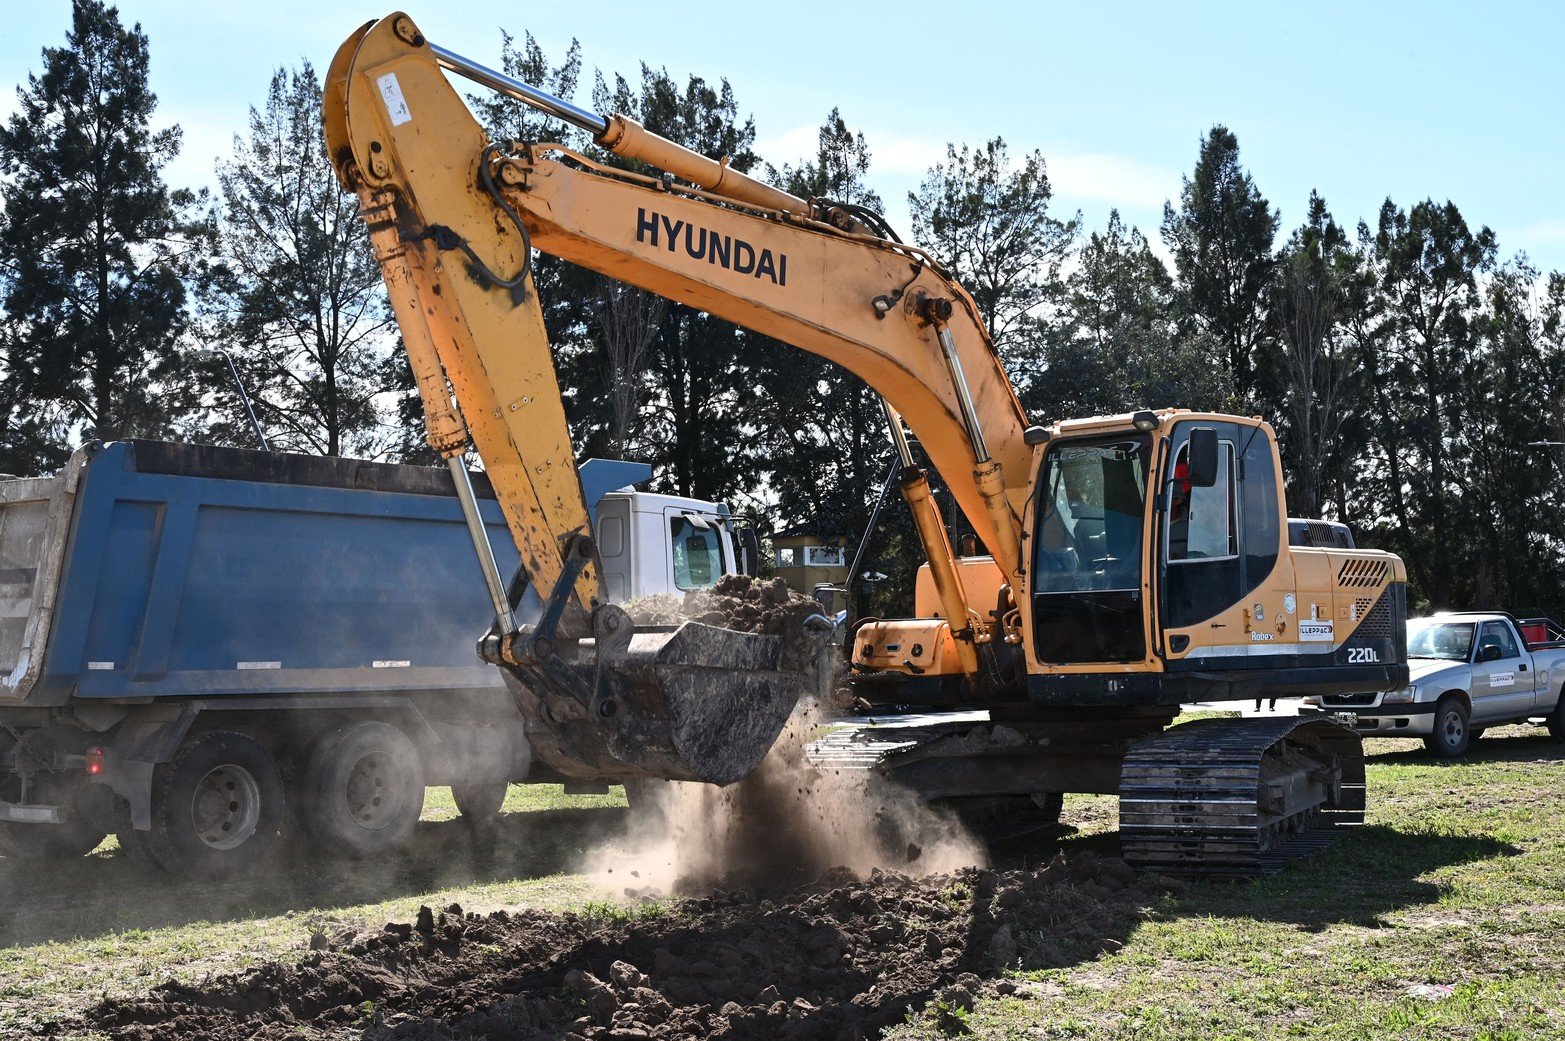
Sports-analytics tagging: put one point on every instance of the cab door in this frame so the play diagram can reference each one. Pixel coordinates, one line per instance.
(1218, 544)
(1503, 681)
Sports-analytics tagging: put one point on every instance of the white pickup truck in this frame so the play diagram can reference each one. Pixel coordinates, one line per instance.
(1467, 671)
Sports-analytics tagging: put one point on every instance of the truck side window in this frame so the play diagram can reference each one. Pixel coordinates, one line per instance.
(1201, 520)
(1498, 634)
(698, 554)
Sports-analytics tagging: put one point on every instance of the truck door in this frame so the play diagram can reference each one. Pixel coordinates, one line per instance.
(1502, 674)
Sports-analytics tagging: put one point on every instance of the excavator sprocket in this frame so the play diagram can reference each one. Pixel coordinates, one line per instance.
(1239, 798)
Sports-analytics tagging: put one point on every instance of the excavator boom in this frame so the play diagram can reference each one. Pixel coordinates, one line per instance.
(454, 218)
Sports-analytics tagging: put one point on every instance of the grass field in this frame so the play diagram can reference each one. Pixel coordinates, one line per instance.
(1444, 917)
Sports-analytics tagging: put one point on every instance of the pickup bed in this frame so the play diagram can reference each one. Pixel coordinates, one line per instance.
(1468, 671)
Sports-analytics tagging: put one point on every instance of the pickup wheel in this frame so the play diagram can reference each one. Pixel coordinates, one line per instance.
(1555, 720)
(1452, 734)
(364, 790)
(216, 808)
(480, 803)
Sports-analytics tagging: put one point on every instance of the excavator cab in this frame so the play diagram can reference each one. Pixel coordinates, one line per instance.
(1158, 572)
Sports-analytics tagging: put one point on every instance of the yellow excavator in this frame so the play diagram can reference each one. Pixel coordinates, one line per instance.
(1135, 562)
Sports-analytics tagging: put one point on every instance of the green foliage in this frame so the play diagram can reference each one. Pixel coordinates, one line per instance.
(1313, 381)
(94, 249)
(988, 220)
(1405, 368)
(1114, 347)
(295, 293)
(1221, 239)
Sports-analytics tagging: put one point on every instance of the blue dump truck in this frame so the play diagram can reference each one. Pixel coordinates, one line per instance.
(202, 646)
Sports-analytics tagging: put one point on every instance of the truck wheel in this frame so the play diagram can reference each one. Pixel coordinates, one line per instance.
(38, 843)
(216, 808)
(480, 802)
(364, 787)
(1451, 734)
(1555, 720)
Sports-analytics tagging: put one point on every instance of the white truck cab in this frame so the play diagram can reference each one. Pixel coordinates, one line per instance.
(652, 543)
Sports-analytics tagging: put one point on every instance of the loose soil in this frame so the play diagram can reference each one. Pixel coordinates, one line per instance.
(843, 957)
(748, 605)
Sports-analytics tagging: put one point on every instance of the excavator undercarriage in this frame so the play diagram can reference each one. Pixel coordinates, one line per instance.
(1217, 797)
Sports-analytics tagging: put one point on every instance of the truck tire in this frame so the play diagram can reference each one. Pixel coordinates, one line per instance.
(216, 808)
(480, 802)
(364, 790)
(1555, 720)
(1452, 734)
(41, 843)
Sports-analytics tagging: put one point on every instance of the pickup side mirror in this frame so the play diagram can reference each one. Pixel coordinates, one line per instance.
(1490, 652)
(1203, 457)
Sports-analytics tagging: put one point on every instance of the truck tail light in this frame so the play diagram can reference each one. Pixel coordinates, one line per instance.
(94, 761)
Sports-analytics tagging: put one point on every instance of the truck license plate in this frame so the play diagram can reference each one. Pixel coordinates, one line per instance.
(1347, 719)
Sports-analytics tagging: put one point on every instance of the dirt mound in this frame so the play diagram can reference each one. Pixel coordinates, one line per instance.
(842, 958)
(749, 605)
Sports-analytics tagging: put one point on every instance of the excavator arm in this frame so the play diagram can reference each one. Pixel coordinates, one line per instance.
(453, 219)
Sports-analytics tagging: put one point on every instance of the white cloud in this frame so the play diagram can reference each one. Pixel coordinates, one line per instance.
(1547, 231)
(789, 147)
(1114, 179)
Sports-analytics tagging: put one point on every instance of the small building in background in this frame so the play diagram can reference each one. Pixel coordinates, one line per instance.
(806, 558)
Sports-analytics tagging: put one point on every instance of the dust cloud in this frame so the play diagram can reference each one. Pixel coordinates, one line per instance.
(787, 823)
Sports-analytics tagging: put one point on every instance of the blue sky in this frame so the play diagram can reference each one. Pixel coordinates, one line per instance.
(1356, 100)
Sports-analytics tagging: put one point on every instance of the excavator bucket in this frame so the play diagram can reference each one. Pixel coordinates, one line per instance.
(689, 703)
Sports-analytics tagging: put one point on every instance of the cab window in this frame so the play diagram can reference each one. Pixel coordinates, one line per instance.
(1498, 634)
(1202, 523)
(698, 553)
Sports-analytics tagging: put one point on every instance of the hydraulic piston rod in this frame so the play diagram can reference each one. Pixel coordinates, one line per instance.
(504, 618)
(625, 137)
(526, 93)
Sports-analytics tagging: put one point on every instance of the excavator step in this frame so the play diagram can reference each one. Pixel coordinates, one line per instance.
(1239, 798)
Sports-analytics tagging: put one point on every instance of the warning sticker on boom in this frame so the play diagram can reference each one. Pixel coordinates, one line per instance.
(396, 104)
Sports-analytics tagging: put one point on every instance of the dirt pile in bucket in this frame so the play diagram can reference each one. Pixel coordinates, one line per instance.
(843, 958)
(748, 605)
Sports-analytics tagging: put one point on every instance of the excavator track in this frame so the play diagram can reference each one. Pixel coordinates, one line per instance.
(1239, 798)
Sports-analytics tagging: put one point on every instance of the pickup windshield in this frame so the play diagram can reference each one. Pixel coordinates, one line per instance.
(1447, 641)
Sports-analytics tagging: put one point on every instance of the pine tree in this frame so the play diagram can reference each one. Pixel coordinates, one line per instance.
(1315, 373)
(296, 295)
(1112, 346)
(989, 221)
(95, 247)
(1221, 238)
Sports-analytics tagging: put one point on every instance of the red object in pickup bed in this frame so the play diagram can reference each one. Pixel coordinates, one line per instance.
(1541, 632)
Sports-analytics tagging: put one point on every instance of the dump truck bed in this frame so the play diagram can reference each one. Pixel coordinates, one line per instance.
(150, 570)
